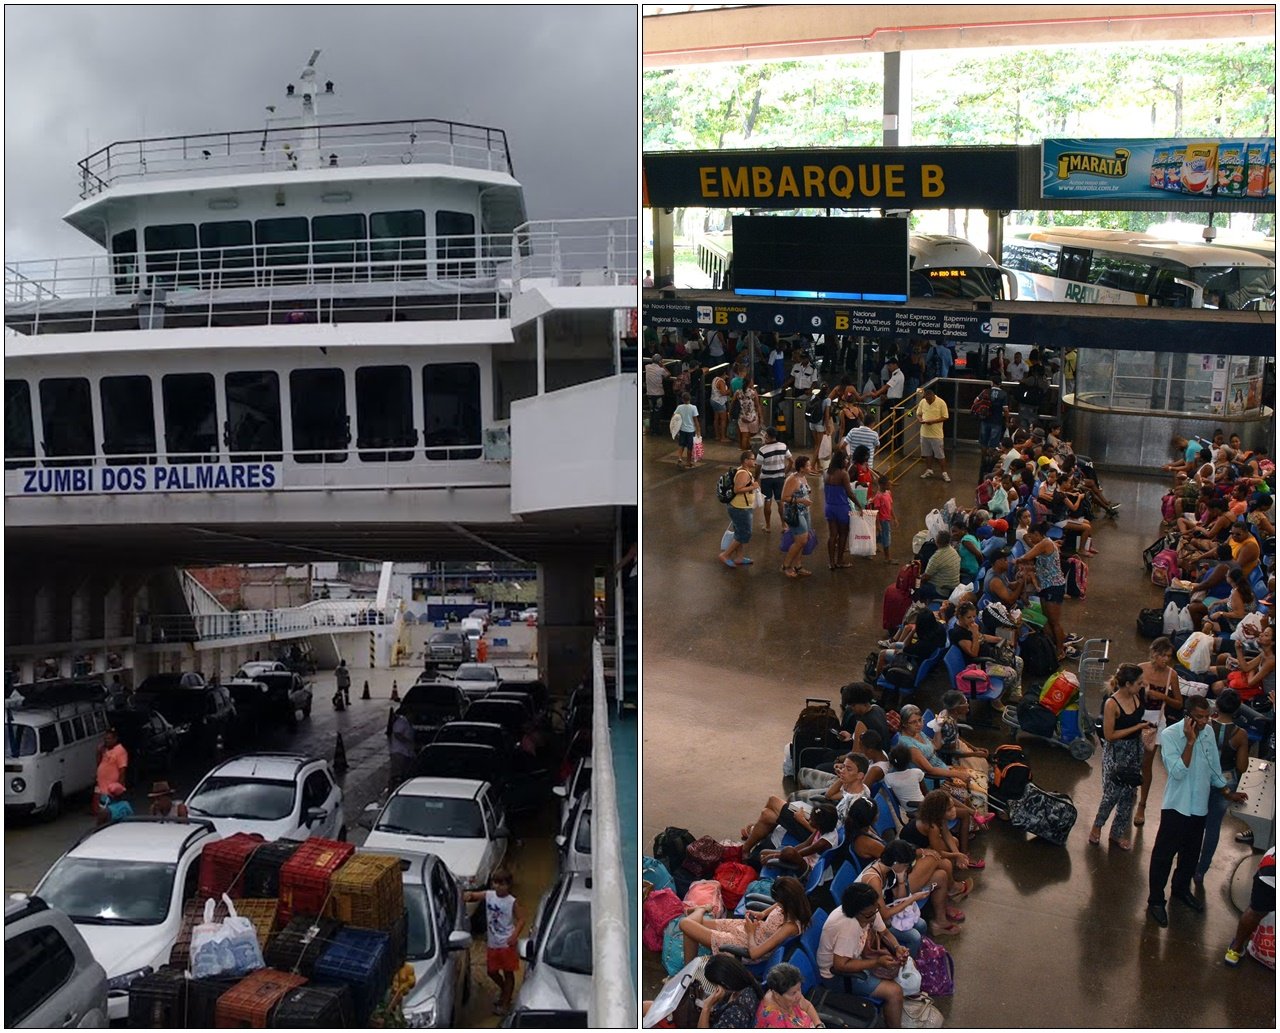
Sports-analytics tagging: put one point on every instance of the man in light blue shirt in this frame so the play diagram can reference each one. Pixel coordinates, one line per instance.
(1191, 760)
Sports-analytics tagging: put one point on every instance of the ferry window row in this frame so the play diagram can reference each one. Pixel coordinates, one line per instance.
(394, 242)
(319, 417)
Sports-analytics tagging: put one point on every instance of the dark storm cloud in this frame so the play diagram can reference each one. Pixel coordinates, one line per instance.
(562, 81)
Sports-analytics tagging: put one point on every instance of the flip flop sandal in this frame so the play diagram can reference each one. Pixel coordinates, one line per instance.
(961, 890)
(744, 562)
(1123, 844)
(804, 572)
(730, 564)
(945, 930)
(790, 572)
(955, 915)
(976, 864)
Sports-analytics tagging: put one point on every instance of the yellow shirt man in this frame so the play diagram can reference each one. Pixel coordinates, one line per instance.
(929, 411)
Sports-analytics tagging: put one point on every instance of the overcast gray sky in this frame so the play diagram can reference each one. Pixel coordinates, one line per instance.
(562, 81)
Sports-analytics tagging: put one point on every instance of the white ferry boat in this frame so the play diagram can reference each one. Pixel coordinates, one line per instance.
(321, 340)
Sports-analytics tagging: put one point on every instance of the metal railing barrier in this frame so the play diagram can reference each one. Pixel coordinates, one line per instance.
(613, 997)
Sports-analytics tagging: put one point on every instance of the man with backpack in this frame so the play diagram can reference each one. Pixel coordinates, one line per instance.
(990, 407)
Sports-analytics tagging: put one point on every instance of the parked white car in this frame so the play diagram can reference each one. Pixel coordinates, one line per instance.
(277, 795)
(50, 976)
(558, 950)
(124, 886)
(477, 680)
(459, 820)
(256, 667)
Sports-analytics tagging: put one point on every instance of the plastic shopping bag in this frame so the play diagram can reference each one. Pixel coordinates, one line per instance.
(862, 533)
(698, 450)
(726, 539)
(226, 948)
(676, 422)
(1196, 653)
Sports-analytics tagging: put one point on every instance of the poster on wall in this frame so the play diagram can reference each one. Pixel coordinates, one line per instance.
(1144, 169)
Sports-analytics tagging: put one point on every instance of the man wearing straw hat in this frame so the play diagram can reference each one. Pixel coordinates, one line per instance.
(163, 804)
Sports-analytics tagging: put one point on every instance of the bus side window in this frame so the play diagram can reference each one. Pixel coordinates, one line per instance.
(65, 728)
(100, 719)
(77, 725)
(1075, 264)
(48, 739)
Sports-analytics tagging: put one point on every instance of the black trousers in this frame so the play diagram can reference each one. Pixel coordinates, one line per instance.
(1180, 836)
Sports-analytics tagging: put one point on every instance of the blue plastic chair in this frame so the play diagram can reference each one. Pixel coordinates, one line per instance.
(845, 877)
(886, 814)
(808, 970)
(817, 873)
(955, 662)
(812, 934)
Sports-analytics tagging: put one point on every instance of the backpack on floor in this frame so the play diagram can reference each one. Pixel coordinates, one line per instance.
(708, 894)
(814, 729)
(937, 969)
(1151, 622)
(660, 907)
(703, 857)
(1042, 813)
(1077, 577)
(670, 845)
(673, 948)
(845, 1011)
(1010, 775)
(656, 875)
(870, 668)
(1153, 550)
(1035, 718)
(1164, 568)
(1169, 507)
(724, 486)
(1039, 658)
(734, 878)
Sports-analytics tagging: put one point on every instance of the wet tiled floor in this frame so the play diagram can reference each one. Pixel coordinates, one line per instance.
(1055, 937)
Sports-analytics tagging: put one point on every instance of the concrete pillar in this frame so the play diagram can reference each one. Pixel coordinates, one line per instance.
(664, 250)
(995, 233)
(566, 620)
(897, 98)
(542, 356)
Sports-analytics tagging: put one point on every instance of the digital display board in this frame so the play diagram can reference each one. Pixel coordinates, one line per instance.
(789, 256)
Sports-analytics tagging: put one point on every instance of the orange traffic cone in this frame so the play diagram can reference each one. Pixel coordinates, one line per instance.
(339, 756)
(365, 694)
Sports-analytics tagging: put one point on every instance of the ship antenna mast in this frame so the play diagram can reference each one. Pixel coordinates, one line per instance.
(308, 90)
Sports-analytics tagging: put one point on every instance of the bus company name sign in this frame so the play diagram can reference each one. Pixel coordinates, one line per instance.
(148, 480)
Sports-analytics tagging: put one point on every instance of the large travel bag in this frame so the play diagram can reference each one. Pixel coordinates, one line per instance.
(1042, 813)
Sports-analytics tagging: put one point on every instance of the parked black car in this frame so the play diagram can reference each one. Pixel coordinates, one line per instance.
(270, 699)
(201, 714)
(430, 704)
(447, 648)
(147, 736)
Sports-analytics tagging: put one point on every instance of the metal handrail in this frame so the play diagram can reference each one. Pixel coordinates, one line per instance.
(325, 614)
(286, 148)
(577, 252)
(613, 998)
(465, 258)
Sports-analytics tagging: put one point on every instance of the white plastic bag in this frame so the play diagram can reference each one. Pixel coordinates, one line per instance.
(935, 523)
(1171, 618)
(726, 539)
(759, 499)
(1196, 653)
(1185, 623)
(1250, 627)
(676, 421)
(226, 948)
(959, 592)
(908, 977)
(862, 533)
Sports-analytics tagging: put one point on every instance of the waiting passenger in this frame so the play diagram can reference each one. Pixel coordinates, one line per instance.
(759, 933)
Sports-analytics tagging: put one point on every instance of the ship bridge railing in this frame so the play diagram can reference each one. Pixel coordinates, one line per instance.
(576, 252)
(429, 141)
(284, 282)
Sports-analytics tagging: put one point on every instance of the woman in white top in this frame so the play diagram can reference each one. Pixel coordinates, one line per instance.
(904, 778)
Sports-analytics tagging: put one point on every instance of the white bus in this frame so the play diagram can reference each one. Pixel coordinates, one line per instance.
(1117, 267)
(941, 267)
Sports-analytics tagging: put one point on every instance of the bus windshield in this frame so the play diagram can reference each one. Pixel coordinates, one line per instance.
(1233, 287)
(969, 282)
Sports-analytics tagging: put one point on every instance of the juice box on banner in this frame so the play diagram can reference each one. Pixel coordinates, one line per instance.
(1231, 169)
(1173, 168)
(1159, 159)
(1258, 155)
(1199, 168)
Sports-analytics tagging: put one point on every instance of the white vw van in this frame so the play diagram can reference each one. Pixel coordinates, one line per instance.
(50, 753)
